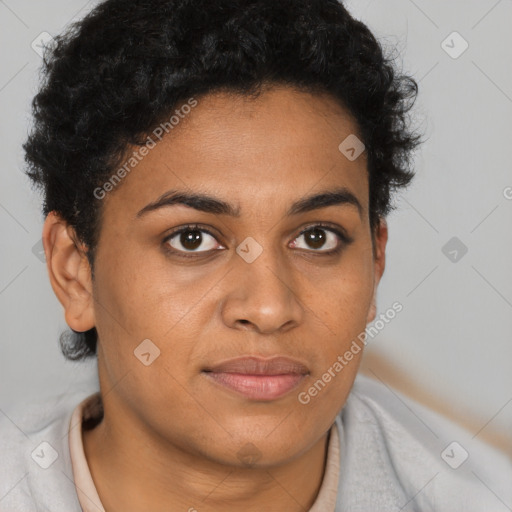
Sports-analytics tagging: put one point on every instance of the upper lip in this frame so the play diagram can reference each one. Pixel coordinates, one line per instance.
(253, 365)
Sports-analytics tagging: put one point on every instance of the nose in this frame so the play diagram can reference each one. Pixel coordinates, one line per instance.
(261, 295)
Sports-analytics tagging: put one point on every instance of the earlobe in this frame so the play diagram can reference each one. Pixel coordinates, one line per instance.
(69, 272)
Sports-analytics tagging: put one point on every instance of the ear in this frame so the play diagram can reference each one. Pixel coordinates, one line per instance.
(380, 241)
(69, 272)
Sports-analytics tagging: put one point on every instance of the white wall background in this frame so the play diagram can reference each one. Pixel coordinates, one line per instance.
(451, 346)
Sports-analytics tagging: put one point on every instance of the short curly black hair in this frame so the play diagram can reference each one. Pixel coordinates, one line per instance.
(116, 74)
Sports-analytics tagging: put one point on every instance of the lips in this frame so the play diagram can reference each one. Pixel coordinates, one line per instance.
(257, 378)
(260, 366)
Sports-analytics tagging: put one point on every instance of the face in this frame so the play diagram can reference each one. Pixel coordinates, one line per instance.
(265, 274)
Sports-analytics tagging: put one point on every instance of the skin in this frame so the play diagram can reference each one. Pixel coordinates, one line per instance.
(169, 435)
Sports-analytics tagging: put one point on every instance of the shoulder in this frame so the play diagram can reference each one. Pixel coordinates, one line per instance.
(406, 454)
(34, 454)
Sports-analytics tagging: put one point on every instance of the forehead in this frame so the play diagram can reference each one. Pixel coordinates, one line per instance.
(265, 150)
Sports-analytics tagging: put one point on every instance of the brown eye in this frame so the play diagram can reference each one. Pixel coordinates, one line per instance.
(321, 239)
(315, 238)
(192, 239)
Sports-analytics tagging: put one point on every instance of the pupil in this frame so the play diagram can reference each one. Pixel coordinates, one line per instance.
(191, 239)
(316, 238)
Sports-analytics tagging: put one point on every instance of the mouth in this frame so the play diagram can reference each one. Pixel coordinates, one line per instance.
(258, 378)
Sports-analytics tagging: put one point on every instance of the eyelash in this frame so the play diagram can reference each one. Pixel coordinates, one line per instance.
(345, 240)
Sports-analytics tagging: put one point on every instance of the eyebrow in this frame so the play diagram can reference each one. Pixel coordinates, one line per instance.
(209, 204)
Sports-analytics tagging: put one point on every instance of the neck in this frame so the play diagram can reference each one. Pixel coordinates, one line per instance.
(153, 474)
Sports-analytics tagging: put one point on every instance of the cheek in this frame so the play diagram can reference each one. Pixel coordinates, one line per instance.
(144, 298)
(139, 299)
(135, 304)
(339, 305)
(341, 314)
(342, 298)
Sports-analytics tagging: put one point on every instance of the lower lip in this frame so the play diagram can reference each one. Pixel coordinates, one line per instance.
(257, 387)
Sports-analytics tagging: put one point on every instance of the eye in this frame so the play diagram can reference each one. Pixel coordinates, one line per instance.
(322, 239)
(191, 239)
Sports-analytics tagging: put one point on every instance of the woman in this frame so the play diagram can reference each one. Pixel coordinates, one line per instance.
(217, 177)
